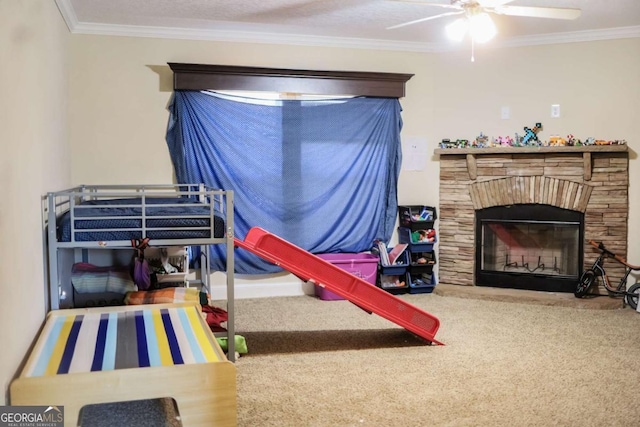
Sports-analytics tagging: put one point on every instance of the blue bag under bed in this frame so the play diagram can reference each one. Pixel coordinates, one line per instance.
(114, 220)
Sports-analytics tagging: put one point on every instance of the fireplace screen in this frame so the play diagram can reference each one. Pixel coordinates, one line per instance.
(530, 247)
(521, 249)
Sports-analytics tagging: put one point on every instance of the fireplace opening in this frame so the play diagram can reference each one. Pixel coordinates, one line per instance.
(531, 246)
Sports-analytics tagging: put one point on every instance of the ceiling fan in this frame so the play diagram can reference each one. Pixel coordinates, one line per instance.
(476, 20)
(475, 7)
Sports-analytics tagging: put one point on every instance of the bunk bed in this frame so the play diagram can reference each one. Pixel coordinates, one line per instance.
(142, 351)
(88, 219)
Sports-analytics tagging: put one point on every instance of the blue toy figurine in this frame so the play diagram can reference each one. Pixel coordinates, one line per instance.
(531, 134)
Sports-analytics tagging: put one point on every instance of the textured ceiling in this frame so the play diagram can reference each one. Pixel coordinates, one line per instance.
(338, 22)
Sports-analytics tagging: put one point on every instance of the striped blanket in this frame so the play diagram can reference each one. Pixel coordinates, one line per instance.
(100, 340)
(88, 278)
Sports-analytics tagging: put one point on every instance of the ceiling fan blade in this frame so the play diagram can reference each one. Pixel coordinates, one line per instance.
(448, 6)
(493, 3)
(538, 12)
(425, 19)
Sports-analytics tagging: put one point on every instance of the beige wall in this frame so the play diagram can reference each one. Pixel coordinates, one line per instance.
(35, 159)
(120, 88)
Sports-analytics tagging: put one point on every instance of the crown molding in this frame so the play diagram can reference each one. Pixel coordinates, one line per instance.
(68, 14)
(326, 41)
(249, 37)
(76, 27)
(553, 38)
(573, 37)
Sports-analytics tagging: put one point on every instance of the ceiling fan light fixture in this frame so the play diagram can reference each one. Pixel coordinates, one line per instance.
(457, 29)
(481, 27)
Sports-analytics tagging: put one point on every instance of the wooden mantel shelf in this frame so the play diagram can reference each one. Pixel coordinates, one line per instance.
(530, 150)
(586, 151)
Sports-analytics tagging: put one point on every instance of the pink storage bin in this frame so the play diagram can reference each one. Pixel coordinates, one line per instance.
(364, 266)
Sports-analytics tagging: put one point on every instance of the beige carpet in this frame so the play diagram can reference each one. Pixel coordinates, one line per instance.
(328, 363)
(560, 299)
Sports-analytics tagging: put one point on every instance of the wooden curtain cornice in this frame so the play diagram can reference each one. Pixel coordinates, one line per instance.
(225, 77)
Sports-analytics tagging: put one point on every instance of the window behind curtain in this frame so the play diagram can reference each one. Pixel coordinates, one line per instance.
(321, 174)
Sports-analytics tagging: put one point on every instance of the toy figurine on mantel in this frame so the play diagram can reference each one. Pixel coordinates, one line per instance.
(503, 141)
(557, 141)
(531, 135)
(458, 143)
(481, 141)
(592, 141)
(573, 141)
(530, 139)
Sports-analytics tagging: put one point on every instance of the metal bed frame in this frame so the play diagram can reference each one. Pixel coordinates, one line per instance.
(221, 201)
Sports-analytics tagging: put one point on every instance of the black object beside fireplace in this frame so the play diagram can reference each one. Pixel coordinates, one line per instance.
(529, 246)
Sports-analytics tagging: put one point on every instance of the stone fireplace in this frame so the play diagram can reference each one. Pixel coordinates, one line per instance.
(533, 210)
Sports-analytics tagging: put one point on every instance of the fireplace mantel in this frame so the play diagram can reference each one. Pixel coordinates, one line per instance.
(586, 151)
(529, 150)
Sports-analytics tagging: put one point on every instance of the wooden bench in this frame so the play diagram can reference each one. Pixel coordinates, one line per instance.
(115, 354)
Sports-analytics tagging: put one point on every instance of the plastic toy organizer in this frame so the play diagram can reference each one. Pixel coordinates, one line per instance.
(310, 267)
(418, 231)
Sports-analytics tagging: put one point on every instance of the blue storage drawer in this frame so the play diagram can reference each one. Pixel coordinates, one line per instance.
(423, 283)
(417, 217)
(405, 235)
(400, 267)
(422, 262)
(394, 283)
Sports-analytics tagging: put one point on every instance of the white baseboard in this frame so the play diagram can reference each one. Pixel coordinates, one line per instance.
(263, 290)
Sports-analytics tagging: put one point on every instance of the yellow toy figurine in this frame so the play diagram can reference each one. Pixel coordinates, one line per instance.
(556, 141)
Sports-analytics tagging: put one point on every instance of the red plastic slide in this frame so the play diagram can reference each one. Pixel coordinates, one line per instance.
(363, 294)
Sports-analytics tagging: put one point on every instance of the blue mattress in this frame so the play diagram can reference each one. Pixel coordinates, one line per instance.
(107, 213)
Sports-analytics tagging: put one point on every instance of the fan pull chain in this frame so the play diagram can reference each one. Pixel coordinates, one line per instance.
(473, 48)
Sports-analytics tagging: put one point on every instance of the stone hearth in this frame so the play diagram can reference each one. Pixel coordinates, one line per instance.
(593, 180)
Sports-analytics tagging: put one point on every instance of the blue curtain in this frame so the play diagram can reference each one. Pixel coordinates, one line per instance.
(320, 174)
